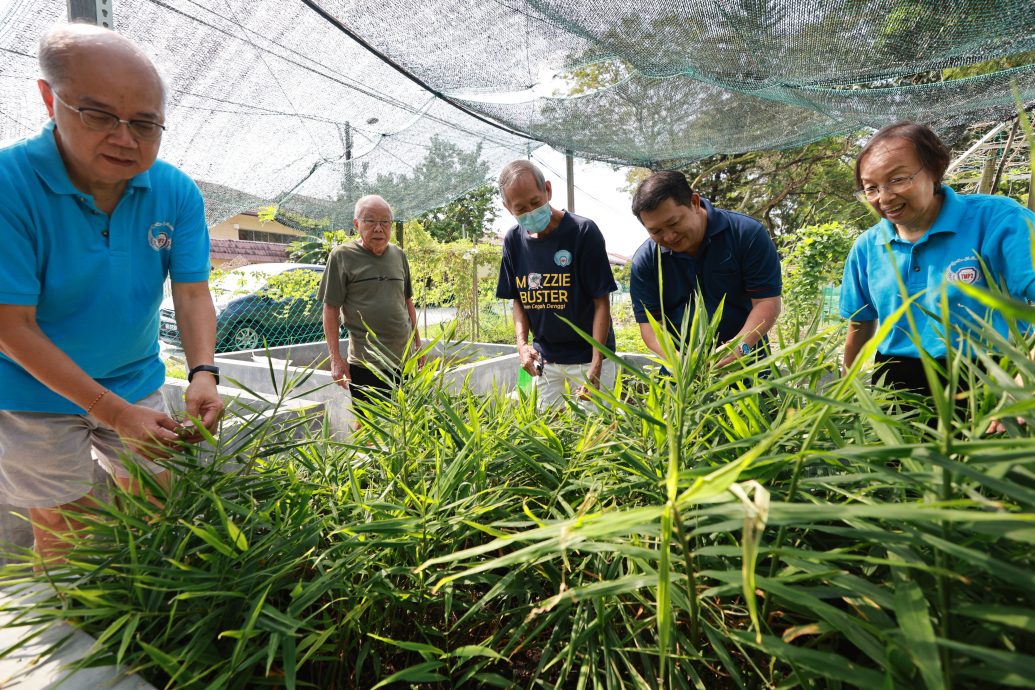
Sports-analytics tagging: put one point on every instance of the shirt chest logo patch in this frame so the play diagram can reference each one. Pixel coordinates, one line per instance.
(159, 236)
(562, 258)
(966, 269)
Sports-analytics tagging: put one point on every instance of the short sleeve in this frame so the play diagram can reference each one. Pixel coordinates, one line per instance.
(19, 279)
(332, 285)
(856, 303)
(595, 276)
(506, 286)
(408, 281)
(189, 255)
(1013, 236)
(643, 287)
(761, 265)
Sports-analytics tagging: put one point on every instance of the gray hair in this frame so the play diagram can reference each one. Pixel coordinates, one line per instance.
(59, 43)
(515, 169)
(369, 199)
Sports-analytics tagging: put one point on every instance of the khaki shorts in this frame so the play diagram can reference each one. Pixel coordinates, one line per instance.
(46, 459)
(559, 381)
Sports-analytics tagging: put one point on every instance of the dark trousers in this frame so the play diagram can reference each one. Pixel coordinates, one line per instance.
(367, 385)
(904, 374)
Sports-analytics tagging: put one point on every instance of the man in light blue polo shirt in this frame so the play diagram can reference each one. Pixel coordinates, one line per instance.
(92, 224)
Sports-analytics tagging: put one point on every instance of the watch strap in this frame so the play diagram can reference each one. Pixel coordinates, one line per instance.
(210, 368)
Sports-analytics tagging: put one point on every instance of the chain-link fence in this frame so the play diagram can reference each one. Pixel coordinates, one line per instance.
(260, 305)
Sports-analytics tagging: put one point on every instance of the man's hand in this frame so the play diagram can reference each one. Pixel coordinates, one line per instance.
(529, 357)
(997, 427)
(145, 430)
(732, 355)
(422, 359)
(204, 403)
(340, 372)
(592, 381)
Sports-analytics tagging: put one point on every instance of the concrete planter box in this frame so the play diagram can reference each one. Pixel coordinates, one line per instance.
(268, 371)
(29, 668)
(484, 366)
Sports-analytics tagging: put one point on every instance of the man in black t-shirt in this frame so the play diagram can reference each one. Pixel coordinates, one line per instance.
(555, 265)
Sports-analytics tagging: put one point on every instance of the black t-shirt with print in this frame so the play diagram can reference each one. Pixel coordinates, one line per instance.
(555, 276)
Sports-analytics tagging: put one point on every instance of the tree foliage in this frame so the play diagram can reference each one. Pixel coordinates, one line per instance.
(445, 168)
(469, 217)
(814, 257)
(786, 190)
(314, 249)
(460, 273)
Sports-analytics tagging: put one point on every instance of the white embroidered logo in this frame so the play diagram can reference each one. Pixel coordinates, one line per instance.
(966, 269)
(159, 236)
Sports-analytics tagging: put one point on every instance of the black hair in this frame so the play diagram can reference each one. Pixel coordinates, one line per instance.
(653, 191)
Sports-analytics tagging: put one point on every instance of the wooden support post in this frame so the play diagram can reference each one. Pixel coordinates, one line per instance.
(1031, 191)
(987, 175)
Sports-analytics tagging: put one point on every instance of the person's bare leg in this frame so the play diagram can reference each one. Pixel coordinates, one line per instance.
(132, 486)
(55, 533)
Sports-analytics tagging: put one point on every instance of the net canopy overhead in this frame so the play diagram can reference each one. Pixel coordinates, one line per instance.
(302, 102)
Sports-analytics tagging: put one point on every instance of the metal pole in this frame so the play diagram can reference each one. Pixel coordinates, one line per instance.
(97, 12)
(570, 165)
(474, 297)
(348, 164)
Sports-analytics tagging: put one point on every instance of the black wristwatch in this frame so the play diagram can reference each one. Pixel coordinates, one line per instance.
(210, 368)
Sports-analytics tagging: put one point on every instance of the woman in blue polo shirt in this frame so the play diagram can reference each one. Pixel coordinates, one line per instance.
(929, 237)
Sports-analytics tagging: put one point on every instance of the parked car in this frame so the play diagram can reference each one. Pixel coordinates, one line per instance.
(260, 305)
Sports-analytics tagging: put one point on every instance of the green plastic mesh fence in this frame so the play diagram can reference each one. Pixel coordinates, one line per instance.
(298, 104)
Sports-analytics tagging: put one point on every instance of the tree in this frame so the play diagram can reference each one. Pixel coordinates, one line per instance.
(445, 170)
(469, 217)
(786, 189)
(814, 259)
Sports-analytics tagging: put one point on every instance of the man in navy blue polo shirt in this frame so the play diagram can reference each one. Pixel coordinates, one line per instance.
(92, 224)
(695, 245)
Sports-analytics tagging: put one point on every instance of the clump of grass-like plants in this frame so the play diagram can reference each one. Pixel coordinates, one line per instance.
(764, 525)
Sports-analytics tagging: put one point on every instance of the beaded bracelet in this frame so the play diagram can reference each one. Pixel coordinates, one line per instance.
(96, 400)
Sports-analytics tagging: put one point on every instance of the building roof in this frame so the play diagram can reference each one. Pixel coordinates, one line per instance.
(246, 250)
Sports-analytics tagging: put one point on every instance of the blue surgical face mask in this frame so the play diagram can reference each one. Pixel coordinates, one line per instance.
(535, 222)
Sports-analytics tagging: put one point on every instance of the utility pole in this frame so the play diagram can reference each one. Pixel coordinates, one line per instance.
(97, 12)
(570, 166)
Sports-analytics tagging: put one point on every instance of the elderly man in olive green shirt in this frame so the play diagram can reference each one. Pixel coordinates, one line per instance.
(367, 286)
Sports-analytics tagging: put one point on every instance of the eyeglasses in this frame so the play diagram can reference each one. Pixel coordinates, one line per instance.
(103, 121)
(892, 186)
(371, 223)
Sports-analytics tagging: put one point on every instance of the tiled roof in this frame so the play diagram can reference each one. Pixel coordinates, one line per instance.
(251, 252)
